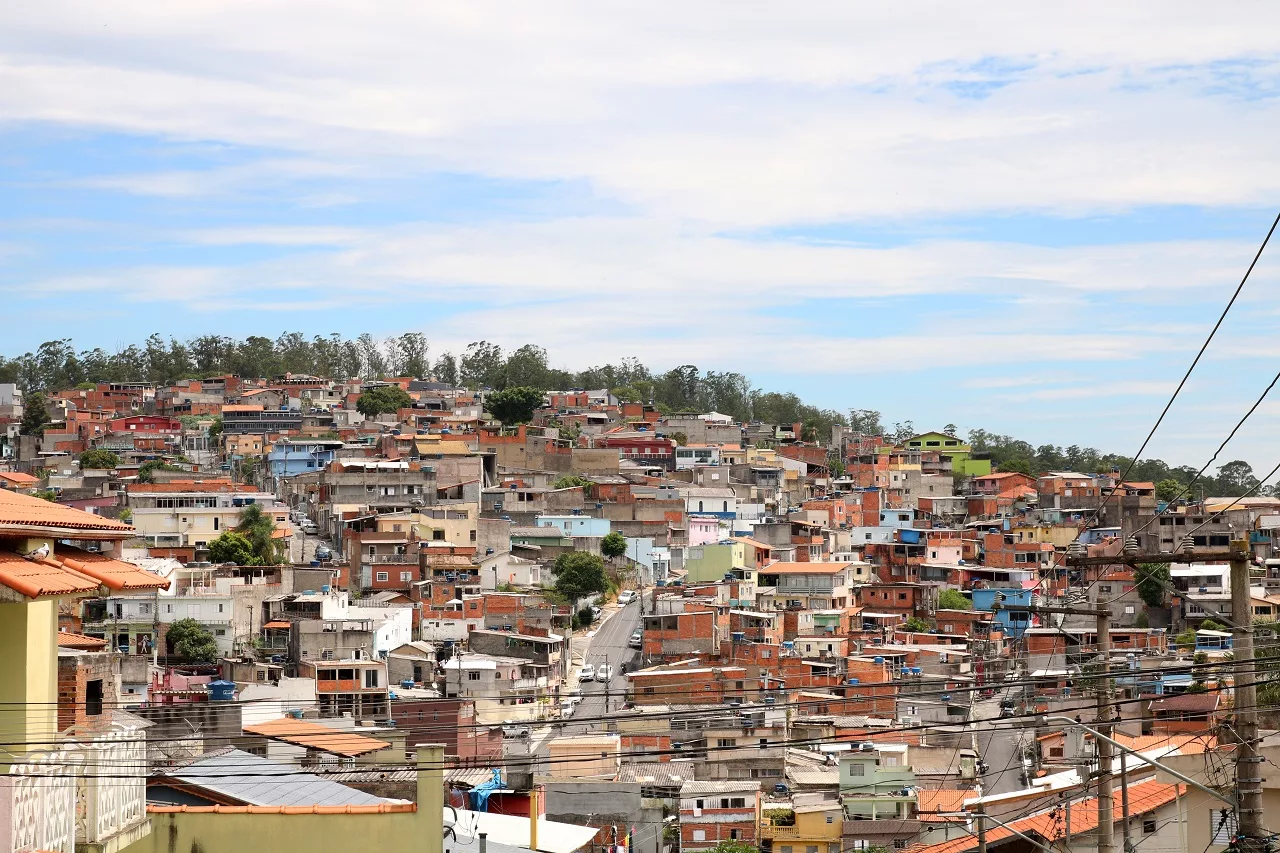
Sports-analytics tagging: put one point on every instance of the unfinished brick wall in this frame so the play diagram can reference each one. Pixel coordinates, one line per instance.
(75, 672)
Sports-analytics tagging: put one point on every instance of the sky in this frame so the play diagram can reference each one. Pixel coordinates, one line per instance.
(1001, 215)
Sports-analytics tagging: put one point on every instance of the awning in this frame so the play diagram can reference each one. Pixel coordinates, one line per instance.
(278, 624)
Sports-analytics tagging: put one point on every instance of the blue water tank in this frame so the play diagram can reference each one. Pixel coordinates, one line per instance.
(325, 589)
(853, 681)
(878, 660)
(222, 691)
(407, 683)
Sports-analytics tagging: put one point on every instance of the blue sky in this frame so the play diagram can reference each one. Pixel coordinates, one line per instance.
(997, 216)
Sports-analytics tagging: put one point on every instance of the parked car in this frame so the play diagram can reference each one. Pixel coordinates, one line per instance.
(603, 673)
(587, 673)
(309, 528)
(323, 553)
(636, 641)
(626, 597)
(568, 705)
(510, 728)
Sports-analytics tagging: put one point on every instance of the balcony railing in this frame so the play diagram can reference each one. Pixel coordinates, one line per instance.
(529, 683)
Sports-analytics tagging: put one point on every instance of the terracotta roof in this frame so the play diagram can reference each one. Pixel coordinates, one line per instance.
(41, 579)
(804, 568)
(929, 803)
(191, 486)
(317, 736)
(278, 623)
(25, 512)
(17, 478)
(115, 575)
(68, 640)
(1194, 702)
(1051, 825)
(256, 408)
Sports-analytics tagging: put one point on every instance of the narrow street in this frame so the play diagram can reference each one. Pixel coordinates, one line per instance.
(1000, 749)
(607, 645)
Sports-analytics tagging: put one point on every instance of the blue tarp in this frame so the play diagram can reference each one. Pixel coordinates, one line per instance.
(479, 795)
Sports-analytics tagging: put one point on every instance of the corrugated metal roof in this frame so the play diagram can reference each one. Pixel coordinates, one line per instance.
(254, 781)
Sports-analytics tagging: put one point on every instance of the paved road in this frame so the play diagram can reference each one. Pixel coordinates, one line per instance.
(607, 645)
(302, 548)
(1000, 749)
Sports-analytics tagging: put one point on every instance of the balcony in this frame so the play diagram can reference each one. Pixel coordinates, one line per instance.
(400, 559)
(529, 683)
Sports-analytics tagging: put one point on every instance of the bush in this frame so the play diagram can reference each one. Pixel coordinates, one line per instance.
(99, 459)
(954, 599)
(585, 616)
(1186, 638)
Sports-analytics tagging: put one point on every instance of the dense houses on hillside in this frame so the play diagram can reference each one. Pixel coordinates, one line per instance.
(803, 646)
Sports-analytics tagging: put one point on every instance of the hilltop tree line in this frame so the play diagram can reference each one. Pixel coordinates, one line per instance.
(57, 365)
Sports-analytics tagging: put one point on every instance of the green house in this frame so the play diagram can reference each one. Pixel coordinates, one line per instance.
(961, 453)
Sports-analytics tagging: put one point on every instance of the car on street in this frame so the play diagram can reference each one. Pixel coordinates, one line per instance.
(587, 673)
(510, 728)
(636, 641)
(309, 528)
(604, 672)
(568, 705)
(323, 553)
(626, 597)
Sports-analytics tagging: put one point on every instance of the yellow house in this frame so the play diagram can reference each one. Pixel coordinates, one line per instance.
(801, 827)
(53, 796)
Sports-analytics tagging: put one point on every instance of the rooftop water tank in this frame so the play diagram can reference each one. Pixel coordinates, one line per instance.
(222, 691)
(325, 589)
(878, 660)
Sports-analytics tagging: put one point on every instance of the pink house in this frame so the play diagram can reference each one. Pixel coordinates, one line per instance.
(703, 530)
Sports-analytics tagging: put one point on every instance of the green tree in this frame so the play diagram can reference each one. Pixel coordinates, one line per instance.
(191, 640)
(1210, 625)
(1153, 581)
(99, 459)
(1168, 489)
(572, 481)
(579, 574)
(953, 599)
(613, 545)
(917, 625)
(1186, 638)
(735, 847)
(34, 415)
(259, 528)
(215, 428)
(1236, 478)
(514, 405)
(232, 547)
(147, 470)
(384, 400)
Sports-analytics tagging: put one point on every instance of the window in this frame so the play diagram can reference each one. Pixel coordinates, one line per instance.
(215, 522)
(733, 835)
(370, 678)
(381, 577)
(890, 761)
(857, 769)
(221, 607)
(1148, 827)
(168, 608)
(831, 819)
(1129, 610)
(786, 848)
(725, 742)
(473, 676)
(699, 835)
(812, 848)
(262, 675)
(406, 576)
(93, 698)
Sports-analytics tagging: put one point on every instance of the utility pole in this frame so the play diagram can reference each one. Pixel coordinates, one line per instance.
(1106, 818)
(1248, 807)
(1248, 762)
(979, 817)
(1124, 804)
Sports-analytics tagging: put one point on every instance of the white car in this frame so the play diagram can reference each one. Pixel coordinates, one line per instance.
(510, 728)
(626, 597)
(568, 705)
(604, 673)
(587, 673)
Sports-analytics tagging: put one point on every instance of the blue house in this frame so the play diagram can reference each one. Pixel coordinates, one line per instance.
(574, 525)
(1013, 624)
(291, 457)
(1213, 641)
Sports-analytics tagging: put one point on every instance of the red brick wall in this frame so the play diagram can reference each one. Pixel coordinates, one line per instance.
(74, 674)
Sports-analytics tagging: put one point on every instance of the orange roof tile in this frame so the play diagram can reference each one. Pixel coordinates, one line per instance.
(219, 485)
(115, 575)
(41, 579)
(25, 513)
(316, 736)
(68, 640)
(17, 478)
(929, 803)
(1051, 825)
(804, 568)
(246, 408)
